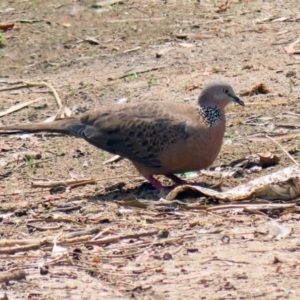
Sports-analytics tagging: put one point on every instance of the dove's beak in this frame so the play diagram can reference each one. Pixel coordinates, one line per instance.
(237, 100)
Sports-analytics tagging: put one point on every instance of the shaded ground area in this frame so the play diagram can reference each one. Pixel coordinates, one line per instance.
(114, 239)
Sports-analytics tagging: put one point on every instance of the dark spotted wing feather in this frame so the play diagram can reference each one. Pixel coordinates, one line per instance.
(139, 133)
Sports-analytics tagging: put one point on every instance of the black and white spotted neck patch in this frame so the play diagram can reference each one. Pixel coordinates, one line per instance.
(211, 115)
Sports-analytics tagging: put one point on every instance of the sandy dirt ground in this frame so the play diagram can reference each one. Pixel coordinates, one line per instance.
(115, 238)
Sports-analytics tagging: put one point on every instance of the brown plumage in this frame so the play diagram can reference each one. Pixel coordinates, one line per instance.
(157, 137)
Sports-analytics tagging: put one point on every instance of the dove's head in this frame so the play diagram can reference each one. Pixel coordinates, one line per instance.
(218, 94)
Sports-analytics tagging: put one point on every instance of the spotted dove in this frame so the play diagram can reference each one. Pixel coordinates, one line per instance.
(157, 137)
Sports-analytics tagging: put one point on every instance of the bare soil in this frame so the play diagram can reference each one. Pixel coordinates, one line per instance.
(95, 55)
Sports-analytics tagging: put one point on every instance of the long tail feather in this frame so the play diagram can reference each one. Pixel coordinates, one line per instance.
(59, 126)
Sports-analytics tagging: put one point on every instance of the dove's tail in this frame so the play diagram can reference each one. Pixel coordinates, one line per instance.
(65, 126)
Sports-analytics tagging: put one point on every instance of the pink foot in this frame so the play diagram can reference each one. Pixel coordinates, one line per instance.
(154, 182)
(158, 185)
(174, 178)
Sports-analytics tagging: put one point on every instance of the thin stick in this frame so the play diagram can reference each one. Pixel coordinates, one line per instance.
(12, 276)
(275, 142)
(119, 177)
(19, 106)
(59, 103)
(9, 88)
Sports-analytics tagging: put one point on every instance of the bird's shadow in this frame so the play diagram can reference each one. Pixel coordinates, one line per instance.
(145, 191)
(120, 192)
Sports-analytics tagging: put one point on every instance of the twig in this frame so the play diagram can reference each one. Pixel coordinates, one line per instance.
(44, 228)
(19, 106)
(9, 243)
(118, 177)
(177, 250)
(9, 88)
(71, 183)
(115, 158)
(121, 237)
(280, 136)
(275, 142)
(59, 103)
(224, 260)
(136, 71)
(16, 249)
(8, 276)
(292, 114)
(251, 206)
(131, 50)
(29, 21)
(19, 193)
(135, 20)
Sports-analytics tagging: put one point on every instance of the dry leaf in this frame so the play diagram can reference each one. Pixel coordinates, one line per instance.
(290, 48)
(122, 100)
(58, 251)
(279, 231)
(66, 112)
(223, 7)
(256, 90)
(6, 26)
(96, 259)
(267, 159)
(284, 185)
(260, 159)
(192, 87)
(281, 19)
(92, 41)
(186, 45)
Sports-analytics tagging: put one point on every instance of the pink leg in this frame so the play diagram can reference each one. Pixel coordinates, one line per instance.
(154, 182)
(159, 186)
